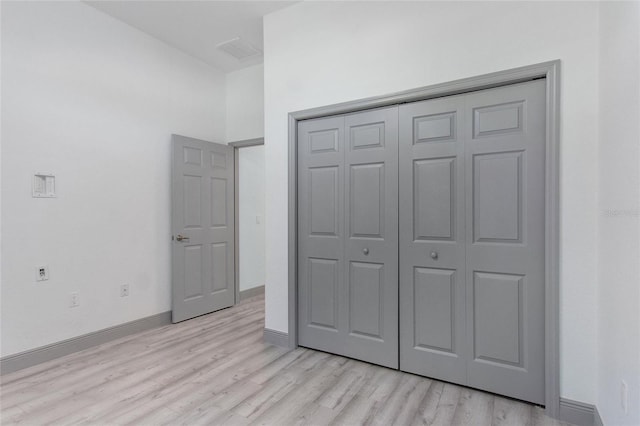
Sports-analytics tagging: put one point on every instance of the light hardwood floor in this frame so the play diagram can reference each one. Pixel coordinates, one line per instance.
(216, 369)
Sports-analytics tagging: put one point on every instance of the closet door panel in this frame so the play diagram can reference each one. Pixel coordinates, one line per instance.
(505, 183)
(431, 209)
(348, 235)
(371, 246)
(320, 231)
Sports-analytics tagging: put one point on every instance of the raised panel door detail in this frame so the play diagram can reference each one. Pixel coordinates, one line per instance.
(497, 317)
(434, 309)
(193, 279)
(218, 202)
(434, 199)
(472, 283)
(323, 199)
(365, 299)
(218, 160)
(434, 128)
(347, 235)
(498, 119)
(323, 294)
(323, 141)
(367, 136)
(192, 201)
(497, 197)
(202, 214)
(192, 156)
(219, 279)
(366, 213)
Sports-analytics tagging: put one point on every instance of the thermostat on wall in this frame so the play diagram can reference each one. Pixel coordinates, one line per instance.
(44, 185)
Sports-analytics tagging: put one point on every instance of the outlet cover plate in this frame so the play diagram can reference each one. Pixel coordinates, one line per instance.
(42, 273)
(74, 300)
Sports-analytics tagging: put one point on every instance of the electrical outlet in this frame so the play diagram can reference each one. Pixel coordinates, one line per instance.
(74, 300)
(42, 273)
(624, 396)
(124, 290)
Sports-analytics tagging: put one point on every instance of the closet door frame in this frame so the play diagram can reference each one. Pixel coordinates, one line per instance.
(547, 70)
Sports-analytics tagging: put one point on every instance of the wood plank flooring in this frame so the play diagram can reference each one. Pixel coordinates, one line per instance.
(216, 370)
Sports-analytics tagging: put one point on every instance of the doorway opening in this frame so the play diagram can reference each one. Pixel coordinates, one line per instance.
(218, 253)
(250, 218)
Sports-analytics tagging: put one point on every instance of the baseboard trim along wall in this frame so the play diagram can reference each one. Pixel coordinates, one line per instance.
(597, 420)
(579, 413)
(277, 338)
(251, 292)
(29, 358)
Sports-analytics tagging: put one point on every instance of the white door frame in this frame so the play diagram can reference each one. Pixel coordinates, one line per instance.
(548, 70)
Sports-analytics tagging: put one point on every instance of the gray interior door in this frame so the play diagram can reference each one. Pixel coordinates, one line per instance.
(348, 235)
(472, 239)
(505, 181)
(432, 239)
(203, 227)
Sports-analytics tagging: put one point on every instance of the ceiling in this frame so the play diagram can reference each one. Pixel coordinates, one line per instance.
(196, 27)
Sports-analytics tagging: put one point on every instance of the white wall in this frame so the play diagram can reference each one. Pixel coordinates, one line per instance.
(245, 104)
(321, 53)
(619, 215)
(251, 217)
(95, 102)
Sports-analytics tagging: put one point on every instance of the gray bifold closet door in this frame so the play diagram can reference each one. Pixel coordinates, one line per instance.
(432, 239)
(348, 235)
(462, 179)
(472, 239)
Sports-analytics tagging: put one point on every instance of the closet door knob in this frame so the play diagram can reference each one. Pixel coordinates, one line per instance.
(365, 251)
(434, 255)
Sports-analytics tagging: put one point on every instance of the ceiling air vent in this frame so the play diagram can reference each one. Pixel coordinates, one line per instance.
(238, 48)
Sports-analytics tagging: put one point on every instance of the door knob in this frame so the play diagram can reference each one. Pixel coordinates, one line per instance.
(181, 238)
(365, 251)
(434, 255)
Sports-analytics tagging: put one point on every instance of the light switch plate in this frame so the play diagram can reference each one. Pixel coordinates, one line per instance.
(624, 396)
